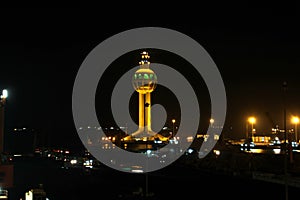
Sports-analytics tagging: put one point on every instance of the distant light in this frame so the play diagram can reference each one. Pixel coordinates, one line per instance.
(217, 152)
(295, 120)
(137, 170)
(252, 120)
(190, 151)
(211, 121)
(277, 151)
(4, 94)
(73, 162)
(173, 121)
(190, 139)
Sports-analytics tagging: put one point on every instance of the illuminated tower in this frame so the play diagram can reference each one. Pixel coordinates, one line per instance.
(144, 82)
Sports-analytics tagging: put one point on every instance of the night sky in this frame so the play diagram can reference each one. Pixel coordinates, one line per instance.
(256, 48)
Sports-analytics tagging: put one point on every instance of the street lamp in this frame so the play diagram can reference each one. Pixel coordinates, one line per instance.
(211, 121)
(295, 120)
(173, 121)
(252, 121)
(2, 104)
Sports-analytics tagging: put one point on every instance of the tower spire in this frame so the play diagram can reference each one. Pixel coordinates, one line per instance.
(144, 63)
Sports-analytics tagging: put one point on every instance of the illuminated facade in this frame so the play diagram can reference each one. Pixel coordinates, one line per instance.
(144, 82)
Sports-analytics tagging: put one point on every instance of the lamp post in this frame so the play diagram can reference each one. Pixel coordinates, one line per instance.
(173, 121)
(295, 120)
(211, 121)
(2, 105)
(252, 121)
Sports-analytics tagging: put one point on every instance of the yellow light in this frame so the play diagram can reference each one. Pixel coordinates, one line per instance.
(252, 120)
(217, 152)
(295, 120)
(173, 121)
(211, 121)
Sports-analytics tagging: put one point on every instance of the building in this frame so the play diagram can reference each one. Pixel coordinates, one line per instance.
(36, 194)
(21, 140)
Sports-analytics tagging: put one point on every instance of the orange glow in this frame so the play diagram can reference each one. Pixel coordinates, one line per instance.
(252, 120)
(295, 120)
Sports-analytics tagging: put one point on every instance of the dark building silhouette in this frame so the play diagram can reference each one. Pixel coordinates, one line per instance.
(22, 141)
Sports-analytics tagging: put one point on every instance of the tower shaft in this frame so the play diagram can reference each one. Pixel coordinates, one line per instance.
(141, 111)
(148, 112)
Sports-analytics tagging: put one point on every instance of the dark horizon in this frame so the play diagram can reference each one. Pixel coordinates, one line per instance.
(255, 49)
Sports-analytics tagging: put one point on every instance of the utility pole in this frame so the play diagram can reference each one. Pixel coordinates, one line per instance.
(285, 144)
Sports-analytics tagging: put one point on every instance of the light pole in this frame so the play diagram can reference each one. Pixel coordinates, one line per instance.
(2, 105)
(295, 120)
(211, 121)
(173, 121)
(284, 86)
(252, 121)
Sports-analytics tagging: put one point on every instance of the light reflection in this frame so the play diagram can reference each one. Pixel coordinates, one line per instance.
(277, 151)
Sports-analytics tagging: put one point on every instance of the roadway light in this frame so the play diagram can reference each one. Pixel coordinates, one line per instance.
(295, 120)
(2, 105)
(4, 94)
(252, 121)
(173, 121)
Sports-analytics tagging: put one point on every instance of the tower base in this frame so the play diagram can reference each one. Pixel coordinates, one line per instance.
(145, 136)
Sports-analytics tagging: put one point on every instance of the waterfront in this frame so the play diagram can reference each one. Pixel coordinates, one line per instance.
(188, 176)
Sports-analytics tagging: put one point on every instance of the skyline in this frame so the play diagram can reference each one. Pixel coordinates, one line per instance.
(40, 67)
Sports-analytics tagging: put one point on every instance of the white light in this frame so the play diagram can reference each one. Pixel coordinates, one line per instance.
(190, 150)
(73, 162)
(217, 152)
(137, 170)
(4, 94)
(277, 151)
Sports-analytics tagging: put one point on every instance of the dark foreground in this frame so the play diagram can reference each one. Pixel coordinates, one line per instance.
(174, 181)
